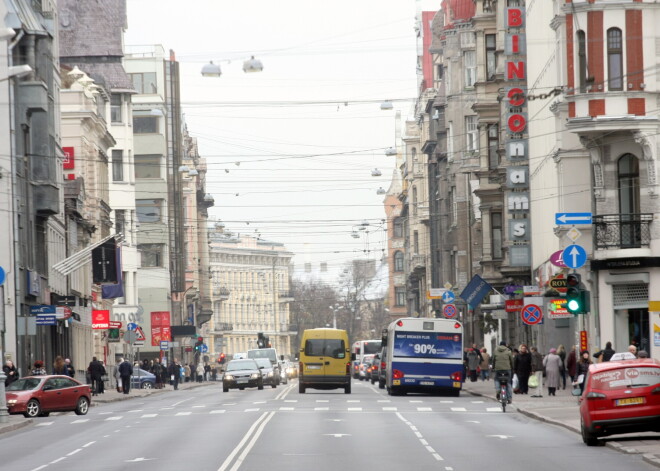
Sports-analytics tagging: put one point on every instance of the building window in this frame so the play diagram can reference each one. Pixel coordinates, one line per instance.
(452, 206)
(614, 59)
(416, 242)
(450, 142)
(398, 261)
(468, 39)
(145, 124)
(120, 221)
(147, 166)
(491, 56)
(117, 165)
(145, 83)
(448, 79)
(414, 201)
(582, 60)
(628, 184)
(116, 108)
(470, 65)
(399, 296)
(398, 227)
(472, 134)
(493, 146)
(148, 210)
(496, 235)
(151, 255)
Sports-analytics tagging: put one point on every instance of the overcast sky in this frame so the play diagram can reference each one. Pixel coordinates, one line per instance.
(290, 150)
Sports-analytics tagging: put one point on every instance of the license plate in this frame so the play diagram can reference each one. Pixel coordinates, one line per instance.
(242, 380)
(630, 401)
(457, 384)
(427, 383)
(396, 382)
(313, 367)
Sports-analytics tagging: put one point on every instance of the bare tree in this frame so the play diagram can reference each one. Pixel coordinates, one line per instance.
(311, 308)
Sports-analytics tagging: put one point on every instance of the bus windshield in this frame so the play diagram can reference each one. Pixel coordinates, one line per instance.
(427, 345)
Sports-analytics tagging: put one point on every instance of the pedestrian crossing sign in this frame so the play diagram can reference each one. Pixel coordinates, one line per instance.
(139, 334)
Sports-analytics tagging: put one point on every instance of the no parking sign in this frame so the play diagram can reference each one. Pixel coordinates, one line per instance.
(450, 311)
(531, 314)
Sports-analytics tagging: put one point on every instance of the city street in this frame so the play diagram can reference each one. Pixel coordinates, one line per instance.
(280, 429)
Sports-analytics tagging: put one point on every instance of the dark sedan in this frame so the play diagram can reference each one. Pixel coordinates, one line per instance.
(267, 371)
(242, 374)
(38, 396)
(142, 379)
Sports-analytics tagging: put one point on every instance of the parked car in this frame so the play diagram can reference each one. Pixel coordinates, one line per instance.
(142, 379)
(267, 371)
(620, 397)
(366, 363)
(382, 369)
(242, 374)
(38, 396)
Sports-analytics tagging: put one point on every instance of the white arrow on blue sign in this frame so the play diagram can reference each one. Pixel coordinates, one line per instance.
(448, 296)
(574, 256)
(572, 218)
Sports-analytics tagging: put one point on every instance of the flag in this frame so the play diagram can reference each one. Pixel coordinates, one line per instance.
(475, 291)
(116, 290)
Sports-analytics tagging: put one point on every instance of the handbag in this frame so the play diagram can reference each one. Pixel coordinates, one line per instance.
(533, 382)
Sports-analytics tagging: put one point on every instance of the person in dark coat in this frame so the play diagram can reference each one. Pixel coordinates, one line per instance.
(157, 370)
(96, 372)
(522, 366)
(583, 368)
(174, 371)
(605, 353)
(10, 372)
(571, 363)
(473, 358)
(70, 370)
(125, 372)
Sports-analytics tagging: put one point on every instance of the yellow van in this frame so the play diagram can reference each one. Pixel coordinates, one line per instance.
(325, 360)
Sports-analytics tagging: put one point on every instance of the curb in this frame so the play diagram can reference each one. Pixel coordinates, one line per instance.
(651, 459)
(17, 426)
(151, 393)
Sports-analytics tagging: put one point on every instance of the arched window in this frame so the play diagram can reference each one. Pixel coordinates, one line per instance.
(414, 200)
(628, 184)
(582, 60)
(398, 261)
(398, 227)
(614, 59)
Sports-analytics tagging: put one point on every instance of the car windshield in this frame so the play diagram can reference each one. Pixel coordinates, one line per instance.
(263, 363)
(241, 365)
(263, 353)
(325, 347)
(622, 378)
(24, 384)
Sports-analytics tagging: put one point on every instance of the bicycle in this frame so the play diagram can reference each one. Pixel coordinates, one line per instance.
(503, 378)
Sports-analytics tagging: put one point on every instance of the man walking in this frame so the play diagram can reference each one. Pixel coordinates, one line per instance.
(125, 372)
(96, 372)
(174, 371)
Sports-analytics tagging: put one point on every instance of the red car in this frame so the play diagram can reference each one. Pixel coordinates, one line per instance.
(620, 397)
(38, 396)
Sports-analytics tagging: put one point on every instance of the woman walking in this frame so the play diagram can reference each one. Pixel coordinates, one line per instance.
(561, 351)
(552, 365)
(582, 368)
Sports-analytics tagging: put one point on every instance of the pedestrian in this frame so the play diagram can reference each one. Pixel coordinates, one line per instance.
(157, 370)
(70, 370)
(537, 370)
(186, 373)
(484, 366)
(174, 371)
(59, 367)
(207, 371)
(552, 367)
(642, 354)
(571, 363)
(472, 363)
(117, 375)
(502, 361)
(38, 369)
(10, 372)
(633, 349)
(200, 372)
(561, 351)
(605, 354)
(125, 371)
(96, 372)
(522, 366)
(582, 369)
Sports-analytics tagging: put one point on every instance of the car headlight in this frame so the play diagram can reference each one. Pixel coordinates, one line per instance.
(254, 376)
(270, 374)
(12, 402)
(229, 377)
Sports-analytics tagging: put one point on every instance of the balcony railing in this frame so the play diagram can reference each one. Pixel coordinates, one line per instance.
(622, 231)
(221, 292)
(224, 327)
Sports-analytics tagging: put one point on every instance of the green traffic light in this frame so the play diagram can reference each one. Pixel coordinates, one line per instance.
(573, 305)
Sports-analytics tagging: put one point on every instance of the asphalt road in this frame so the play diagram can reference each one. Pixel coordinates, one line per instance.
(280, 429)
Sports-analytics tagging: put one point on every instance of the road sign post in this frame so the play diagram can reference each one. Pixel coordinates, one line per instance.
(574, 256)
(449, 311)
(563, 219)
(531, 314)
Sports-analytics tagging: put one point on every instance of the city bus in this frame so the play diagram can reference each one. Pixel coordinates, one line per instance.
(424, 355)
(362, 348)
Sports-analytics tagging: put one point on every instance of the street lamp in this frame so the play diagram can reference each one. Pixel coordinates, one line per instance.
(249, 66)
(335, 308)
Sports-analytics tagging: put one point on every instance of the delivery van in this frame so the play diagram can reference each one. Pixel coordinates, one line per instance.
(325, 360)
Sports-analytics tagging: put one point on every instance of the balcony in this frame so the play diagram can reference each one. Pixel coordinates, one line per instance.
(418, 262)
(224, 327)
(221, 293)
(622, 231)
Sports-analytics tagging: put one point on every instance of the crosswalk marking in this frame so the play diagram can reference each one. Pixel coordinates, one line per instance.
(184, 413)
(148, 416)
(355, 409)
(287, 408)
(390, 408)
(44, 424)
(458, 409)
(256, 409)
(321, 408)
(492, 409)
(116, 417)
(424, 409)
(219, 411)
(80, 421)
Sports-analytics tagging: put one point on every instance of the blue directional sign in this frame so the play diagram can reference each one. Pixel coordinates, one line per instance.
(574, 256)
(46, 320)
(2, 275)
(43, 309)
(131, 326)
(448, 296)
(572, 218)
(205, 348)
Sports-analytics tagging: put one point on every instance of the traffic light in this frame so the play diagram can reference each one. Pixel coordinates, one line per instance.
(261, 340)
(222, 358)
(198, 345)
(578, 299)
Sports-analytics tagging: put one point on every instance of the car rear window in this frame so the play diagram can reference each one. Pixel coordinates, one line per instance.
(622, 378)
(23, 384)
(325, 347)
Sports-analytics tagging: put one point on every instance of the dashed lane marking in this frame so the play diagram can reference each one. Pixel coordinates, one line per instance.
(390, 408)
(424, 409)
(256, 409)
(116, 417)
(458, 409)
(183, 413)
(321, 408)
(148, 416)
(219, 411)
(80, 421)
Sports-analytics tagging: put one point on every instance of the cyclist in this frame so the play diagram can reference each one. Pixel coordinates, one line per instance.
(502, 363)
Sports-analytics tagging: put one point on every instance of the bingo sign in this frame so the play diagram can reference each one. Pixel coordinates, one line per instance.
(531, 314)
(450, 311)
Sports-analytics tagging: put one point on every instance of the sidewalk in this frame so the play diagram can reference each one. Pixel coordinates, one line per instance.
(562, 410)
(16, 422)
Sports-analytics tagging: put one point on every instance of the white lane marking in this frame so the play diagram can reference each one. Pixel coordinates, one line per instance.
(258, 426)
(321, 408)
(322, 400)
(80, 421)
(475, 421)
(115, 417)
(197, 407)
(449, 468)
(74, 452)
(416, 402)
(423, 442)
(105, 413)
(287, 408)
(477, 402)
(252, 410)
(446, 402)
(44, 424)
(430, 449)
(181, 402)
(58, 460)
(291, 400)
(135, 410)
(337, 435)
(88, 444)
(166, 408)
(148, 416)
(40, 467)
(218, 411)
(493, 409)
(439, 458)
(353, 400)
(419, 435)
(424, 409)
(230, 404)
(183, 413)
(260, 402)
(383, 400)
(390, 408)
(355, 409)
(458, 409)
